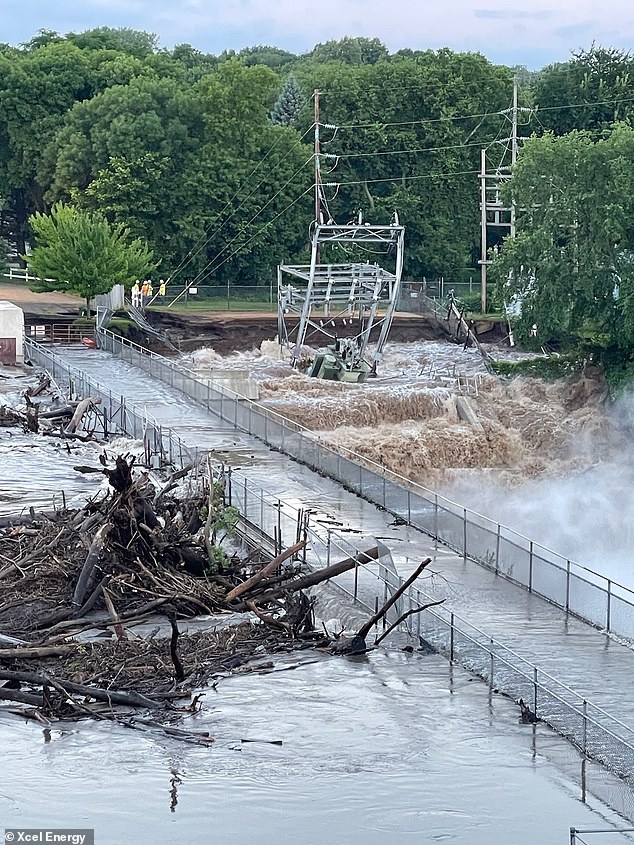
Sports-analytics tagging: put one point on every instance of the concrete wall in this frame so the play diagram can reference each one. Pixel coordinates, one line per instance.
(12, 328)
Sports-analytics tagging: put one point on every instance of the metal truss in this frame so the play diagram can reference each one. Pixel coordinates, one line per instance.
(315, 299)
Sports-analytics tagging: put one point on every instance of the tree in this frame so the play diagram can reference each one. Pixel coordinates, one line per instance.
(592, 91)
(288, 104)
(571, 264)
(351, 51)
(122, 39)
(81, 253)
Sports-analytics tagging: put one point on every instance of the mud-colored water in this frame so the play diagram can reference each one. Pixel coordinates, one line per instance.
(551, 460)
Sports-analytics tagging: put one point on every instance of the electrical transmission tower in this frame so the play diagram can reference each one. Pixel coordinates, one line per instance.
(325, 300)
(495, 216)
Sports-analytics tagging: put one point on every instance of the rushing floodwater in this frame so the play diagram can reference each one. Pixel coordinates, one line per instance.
(391, 748)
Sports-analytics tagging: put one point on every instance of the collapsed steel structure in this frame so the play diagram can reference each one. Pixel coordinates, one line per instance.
(315, 299)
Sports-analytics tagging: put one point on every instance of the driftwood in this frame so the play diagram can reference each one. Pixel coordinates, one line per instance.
(405, 616)
(262, 573)
(319, 576)
(80, 410)
(365, 629)
(133, 699)
(92, 559)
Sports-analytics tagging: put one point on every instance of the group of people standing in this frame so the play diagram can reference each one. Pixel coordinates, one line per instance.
(142, 293)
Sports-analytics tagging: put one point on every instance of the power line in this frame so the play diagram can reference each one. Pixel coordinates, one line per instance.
(191, 255)
(400, 178)
(424, 121)
(202, 274)
(252, 238)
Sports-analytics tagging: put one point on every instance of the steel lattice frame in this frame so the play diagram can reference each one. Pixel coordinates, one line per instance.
(340, 291)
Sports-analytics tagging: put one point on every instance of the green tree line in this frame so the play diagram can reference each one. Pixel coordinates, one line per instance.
(208, 161)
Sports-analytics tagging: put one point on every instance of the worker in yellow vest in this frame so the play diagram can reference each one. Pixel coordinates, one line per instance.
(135, 293)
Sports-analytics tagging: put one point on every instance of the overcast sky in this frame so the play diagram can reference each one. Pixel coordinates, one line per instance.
(525, 32)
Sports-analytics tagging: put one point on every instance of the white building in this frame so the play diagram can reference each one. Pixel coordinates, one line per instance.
(11, 333)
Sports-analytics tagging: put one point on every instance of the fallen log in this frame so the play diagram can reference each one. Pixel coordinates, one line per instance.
(365, 629)
(262, 573)
(92, 559)
(314, 578)
(35, 651)
(405, 616)
(131, 698)
(80, 410)
(23, 697)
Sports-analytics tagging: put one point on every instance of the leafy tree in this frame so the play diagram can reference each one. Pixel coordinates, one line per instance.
(571, 265)
(42, 39)
(592, 91)
(351, 51)
(4, 257)
(409, 138)
(122, 39)
(288, 104)
(272, 57)
(80, 252)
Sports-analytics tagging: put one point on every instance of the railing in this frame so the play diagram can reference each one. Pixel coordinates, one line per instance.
(60, 332)
(574, 588)
(160, 445)
(590, 728)
(594, 731)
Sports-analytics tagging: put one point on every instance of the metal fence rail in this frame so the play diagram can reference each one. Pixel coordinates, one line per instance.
(575, 588)
(594, 731)
(591, 729)
(114, 414)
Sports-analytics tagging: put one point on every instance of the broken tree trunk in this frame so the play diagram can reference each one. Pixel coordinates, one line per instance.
(80, 410)
(365, 629)
(131, 698)
(92, 558)
(266, 570)
(317, 577)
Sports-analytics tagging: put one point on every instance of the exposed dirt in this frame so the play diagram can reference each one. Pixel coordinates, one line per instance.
(229, 332)
(40, 304)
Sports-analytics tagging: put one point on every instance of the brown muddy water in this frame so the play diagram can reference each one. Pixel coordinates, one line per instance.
(395, 747)
(552, 461)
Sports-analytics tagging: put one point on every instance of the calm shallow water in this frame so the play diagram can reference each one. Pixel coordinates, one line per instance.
(393, 748)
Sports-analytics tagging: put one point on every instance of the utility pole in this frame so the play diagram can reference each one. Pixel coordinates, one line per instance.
(317, 165)
(494, 215)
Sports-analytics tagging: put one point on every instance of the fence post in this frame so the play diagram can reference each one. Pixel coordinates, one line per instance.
(497, 551)
(567, 586)
(464, 533)
(436, 519)
(451, 639)
(492, 663)
(356, 579)
(530, 568)
(535, 690)
(409, 508)
(585, 726)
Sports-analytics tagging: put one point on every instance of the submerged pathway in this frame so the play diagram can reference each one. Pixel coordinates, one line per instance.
(598, 667)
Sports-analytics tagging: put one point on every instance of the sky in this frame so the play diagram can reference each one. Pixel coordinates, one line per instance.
(532, 33)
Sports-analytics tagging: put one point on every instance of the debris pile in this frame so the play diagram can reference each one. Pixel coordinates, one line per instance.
(145, 551)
